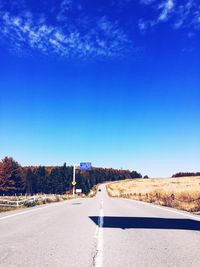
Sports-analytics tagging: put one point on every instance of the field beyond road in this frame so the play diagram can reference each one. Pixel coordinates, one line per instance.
(181, 193)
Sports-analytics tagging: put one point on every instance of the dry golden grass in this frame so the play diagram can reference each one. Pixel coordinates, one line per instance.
(181, 193)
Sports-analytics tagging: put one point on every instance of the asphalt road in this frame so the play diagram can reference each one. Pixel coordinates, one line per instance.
(100, 231)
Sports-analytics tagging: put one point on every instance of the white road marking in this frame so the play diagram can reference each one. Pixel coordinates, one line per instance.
(165, 208)
(99, 235)
(29, 211)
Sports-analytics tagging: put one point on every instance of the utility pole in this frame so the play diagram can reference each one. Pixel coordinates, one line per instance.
(74, 180)
(83, 166)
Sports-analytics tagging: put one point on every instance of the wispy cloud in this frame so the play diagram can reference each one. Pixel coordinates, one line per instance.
(65, 6)
(75, 28)
(81, 37)
(145, 25)
(188, 15)
(147, 2)
(167, 8)
(183, 14)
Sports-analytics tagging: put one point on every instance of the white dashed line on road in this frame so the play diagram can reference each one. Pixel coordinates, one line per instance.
(98, 261)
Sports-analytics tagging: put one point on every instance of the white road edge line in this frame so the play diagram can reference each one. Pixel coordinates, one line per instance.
(29, 211)
(99, 255)
(165, 208)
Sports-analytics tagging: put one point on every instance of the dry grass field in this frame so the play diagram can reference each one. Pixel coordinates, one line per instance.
(181, 193)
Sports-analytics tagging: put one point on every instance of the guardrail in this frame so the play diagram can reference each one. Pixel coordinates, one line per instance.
(17, 203)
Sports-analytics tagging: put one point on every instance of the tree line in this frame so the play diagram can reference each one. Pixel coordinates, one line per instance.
(15, 179)
(185, 174)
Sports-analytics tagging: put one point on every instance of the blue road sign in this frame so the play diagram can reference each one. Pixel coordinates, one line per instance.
(85, 166)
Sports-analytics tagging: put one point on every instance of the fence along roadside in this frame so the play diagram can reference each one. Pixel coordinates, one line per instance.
(17, 203)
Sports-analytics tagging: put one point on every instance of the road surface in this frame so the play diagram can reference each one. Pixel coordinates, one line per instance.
(99, 231)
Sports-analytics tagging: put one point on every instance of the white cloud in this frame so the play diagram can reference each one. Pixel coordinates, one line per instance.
(184, 14)
(144, 25)
(65, 6)
(147, 2)
(187, 16)
(70, 30)
(104, 38)
(166, 7)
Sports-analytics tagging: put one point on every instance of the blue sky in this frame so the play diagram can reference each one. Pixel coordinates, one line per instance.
(112, 82)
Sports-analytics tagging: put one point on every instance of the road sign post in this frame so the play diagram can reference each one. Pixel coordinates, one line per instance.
(74, 180)
(84, 166)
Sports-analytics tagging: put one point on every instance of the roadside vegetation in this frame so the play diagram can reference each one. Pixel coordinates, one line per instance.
(180, 193)
(36, 185)
(9, 203)
(4, 209)
(15, 179)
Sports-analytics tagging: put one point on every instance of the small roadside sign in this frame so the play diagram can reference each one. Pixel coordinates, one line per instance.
(78, 190)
